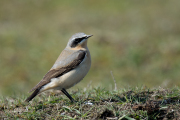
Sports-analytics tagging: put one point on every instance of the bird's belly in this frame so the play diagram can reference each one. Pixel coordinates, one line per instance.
(73, 77)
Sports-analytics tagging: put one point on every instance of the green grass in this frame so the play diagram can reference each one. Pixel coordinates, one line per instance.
(138, 41)
(97, 103)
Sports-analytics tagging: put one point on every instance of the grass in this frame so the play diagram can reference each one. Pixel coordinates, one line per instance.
(97, 103)
(138, 41)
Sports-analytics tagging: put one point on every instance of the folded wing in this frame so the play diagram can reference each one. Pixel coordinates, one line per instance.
(61, 67)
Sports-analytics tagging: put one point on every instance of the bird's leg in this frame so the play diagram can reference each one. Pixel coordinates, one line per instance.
(67, 94)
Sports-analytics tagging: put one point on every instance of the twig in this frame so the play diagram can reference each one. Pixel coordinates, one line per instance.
(115, 86)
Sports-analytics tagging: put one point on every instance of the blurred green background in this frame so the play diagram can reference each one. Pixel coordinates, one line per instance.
(139, 41)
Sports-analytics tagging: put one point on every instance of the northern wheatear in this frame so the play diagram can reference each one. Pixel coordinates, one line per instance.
(70, 68)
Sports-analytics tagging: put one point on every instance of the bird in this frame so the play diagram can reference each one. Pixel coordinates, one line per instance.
(71, 67)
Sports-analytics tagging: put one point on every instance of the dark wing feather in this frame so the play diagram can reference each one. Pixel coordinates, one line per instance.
(32, 95)
(54, 73)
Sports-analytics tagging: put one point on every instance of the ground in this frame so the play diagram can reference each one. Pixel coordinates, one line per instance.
(97, 103)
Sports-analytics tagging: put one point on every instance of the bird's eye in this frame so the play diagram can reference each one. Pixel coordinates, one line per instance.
(76, 40)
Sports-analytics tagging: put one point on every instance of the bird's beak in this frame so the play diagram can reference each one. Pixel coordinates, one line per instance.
(88, 36)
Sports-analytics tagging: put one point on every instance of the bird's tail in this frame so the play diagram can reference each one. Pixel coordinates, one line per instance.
(32, 95)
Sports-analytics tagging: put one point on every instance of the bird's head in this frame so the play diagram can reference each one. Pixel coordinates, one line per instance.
(78, 40)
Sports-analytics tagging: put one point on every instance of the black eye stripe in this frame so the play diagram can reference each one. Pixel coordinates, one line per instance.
(79, 39)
